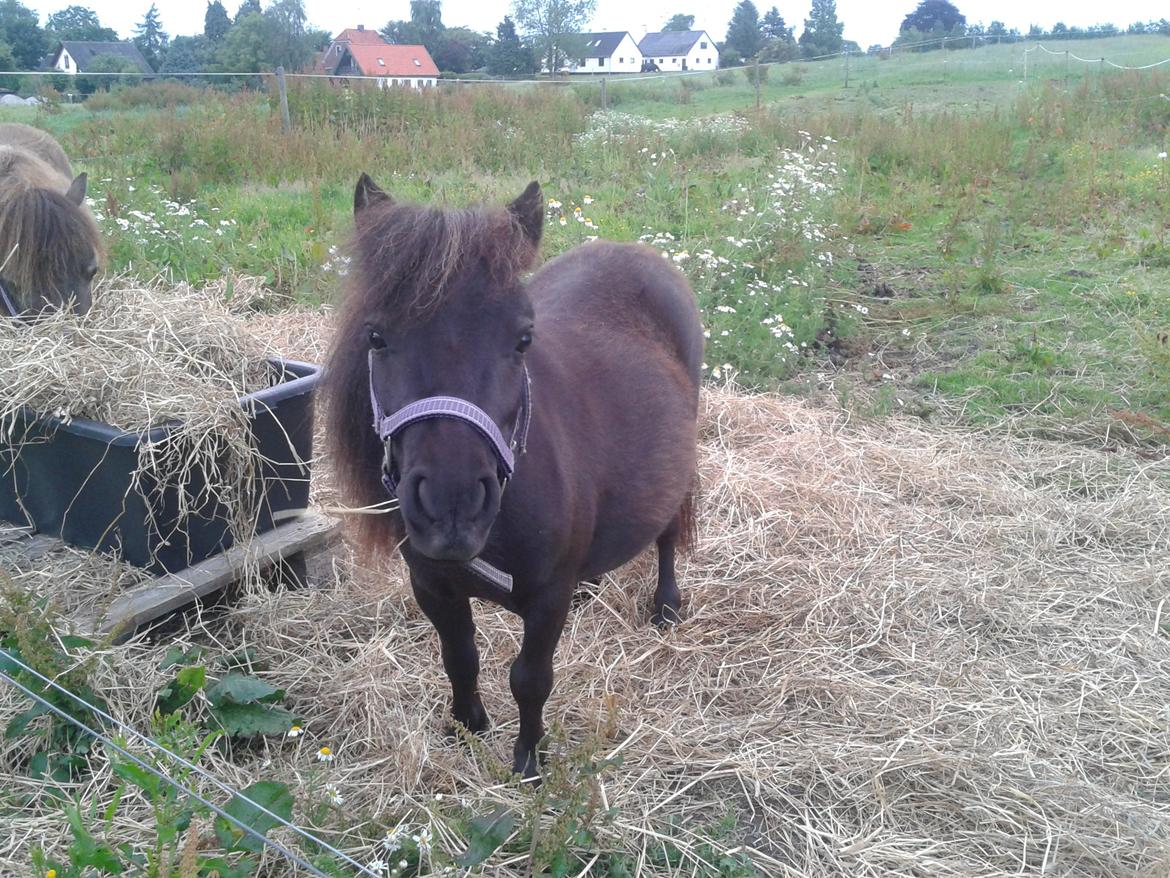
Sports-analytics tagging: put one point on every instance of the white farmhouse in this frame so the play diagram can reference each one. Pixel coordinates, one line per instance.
(611, 52)
(680, 50)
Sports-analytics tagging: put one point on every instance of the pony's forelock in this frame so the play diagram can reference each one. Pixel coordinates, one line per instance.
(407, 256)
(45, 240)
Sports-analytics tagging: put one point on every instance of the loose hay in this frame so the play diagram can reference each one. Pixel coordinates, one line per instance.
(144, 358)
(907, 651)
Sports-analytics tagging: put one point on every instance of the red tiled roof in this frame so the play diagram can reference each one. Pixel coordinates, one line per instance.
(360, 37)
(395, 60)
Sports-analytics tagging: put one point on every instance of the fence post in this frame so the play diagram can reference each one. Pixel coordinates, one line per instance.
(757, 71)
(1066, 69)
(285, 122)
(847, 68)
(604, 97)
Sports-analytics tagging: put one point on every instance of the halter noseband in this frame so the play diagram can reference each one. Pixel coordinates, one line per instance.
(388, 426)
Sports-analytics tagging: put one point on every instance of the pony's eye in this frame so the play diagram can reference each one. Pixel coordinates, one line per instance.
(525, 342)
(376, 340)
(90, 272)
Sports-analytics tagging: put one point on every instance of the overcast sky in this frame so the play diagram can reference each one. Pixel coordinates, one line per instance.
(866, 21)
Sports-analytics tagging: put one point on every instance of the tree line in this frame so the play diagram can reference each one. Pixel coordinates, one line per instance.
(537, 35)
(932, 24)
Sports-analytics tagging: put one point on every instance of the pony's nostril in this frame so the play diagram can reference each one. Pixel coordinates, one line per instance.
(484, 495)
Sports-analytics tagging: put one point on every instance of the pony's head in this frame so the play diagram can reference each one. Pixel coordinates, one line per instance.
(432, 342)
(50, 246)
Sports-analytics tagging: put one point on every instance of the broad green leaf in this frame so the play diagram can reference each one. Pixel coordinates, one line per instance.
(241, 689)
(485, 835)
(243, 720)
(269, 794)
(19, 723)
(176, 655)
(72, 641)
(136, 775)
(181, 689)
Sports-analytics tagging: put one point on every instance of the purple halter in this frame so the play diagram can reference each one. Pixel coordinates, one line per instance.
(461, 410)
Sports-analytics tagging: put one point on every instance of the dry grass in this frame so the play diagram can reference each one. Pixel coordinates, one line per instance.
(907, 651)
(147, 357)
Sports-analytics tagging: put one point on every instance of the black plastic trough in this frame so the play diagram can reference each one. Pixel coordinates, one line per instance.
(76, 480)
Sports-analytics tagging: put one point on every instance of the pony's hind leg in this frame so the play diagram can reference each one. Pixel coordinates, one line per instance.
(451, 616)
(680, 534)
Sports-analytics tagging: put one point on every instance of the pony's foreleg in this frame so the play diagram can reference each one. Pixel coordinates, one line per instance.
(451, 616)
(532, 674)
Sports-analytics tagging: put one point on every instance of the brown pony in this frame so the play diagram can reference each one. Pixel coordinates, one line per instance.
(50, 246)
(592, 368)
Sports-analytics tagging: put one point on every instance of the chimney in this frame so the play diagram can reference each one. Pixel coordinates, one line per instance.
(361, 27)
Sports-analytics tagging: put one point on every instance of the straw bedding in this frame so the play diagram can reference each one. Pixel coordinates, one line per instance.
(908, 651)
(147, 357)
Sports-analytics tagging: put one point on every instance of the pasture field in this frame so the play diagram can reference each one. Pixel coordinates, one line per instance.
(927, 618)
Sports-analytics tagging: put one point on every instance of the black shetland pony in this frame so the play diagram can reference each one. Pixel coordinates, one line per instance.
(536, 434)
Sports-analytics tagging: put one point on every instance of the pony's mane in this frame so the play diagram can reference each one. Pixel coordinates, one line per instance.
(44, 237)
(406, 256)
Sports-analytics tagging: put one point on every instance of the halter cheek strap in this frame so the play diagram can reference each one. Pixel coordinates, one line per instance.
(388, 426)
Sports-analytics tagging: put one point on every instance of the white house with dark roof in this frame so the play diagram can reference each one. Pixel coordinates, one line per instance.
(76, 56)
(680, 50)
(610, 52)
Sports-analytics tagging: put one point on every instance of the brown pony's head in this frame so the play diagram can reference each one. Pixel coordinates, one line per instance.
(50, 246)
(437, 309)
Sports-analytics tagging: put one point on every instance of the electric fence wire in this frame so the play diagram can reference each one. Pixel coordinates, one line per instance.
(150, 742)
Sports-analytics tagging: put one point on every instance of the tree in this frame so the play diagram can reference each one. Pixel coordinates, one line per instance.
(107, 63)
(461, 49)
(286, 34)
(743, 31)
(78, 23)
(20, 30)
(216, 22)
(822, 31)
(932, 14)
(553, 26)
(150, 38)
(507, 56)
(679, 22)
(188, 55)
(246, 47)
(248, 7)
(773, 26)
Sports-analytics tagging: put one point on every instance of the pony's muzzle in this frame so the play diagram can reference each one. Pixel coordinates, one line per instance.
(448, 515)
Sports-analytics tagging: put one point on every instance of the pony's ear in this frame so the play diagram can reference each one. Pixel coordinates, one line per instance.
(529, 211)
(76, 191)
(366, 193)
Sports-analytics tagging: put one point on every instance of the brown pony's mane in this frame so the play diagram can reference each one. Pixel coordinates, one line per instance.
(44, 237)
(406, 258)
(407, 255)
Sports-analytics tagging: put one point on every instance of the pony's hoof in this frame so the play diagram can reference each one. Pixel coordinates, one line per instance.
(666, 616)
(528, 770)
(477, 722)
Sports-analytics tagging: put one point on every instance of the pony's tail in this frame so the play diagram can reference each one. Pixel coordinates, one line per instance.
(688, 529)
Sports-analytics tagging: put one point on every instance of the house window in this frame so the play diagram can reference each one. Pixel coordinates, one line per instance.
(621, 60)
(703, 44)
(66, 62)
(582, 64)
(600, 60)
(660, 61)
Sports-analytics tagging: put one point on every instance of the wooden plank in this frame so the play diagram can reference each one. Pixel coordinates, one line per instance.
(175, 590)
